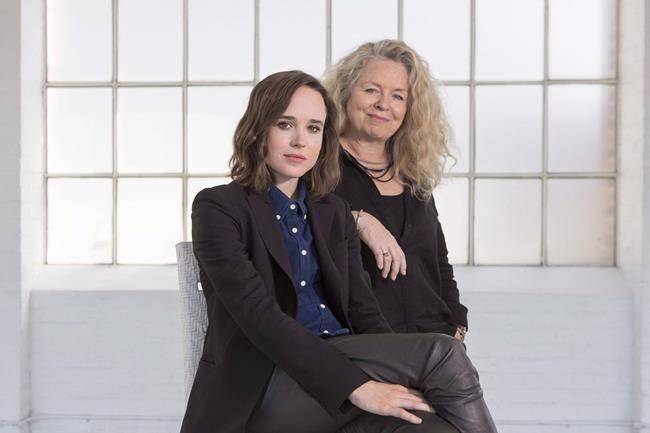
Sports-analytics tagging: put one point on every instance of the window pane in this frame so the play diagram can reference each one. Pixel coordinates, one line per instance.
(581, 216)
(280, 49)
(150, 40)
(439, 30)
(149, 220)
(509, 39)
(79, 40)
(509, 129)
(355, 22)
(149, 130)
(587, 27)
(452, 203)
(220, 39)
(79, 130)
(194, 186)
(581, 128)
(79, 220)
(508, 231)
(456, 102)
(212, 118)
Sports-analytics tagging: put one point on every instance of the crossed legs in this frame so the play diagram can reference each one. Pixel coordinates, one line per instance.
(435, 364)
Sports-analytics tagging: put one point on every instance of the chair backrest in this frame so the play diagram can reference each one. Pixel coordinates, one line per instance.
(193, 311)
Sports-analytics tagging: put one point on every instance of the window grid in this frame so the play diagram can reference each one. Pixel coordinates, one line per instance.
(471, 84)
(114, 132)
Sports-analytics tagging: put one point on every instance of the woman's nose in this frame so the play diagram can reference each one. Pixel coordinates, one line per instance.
(298, 140)
(381, 103)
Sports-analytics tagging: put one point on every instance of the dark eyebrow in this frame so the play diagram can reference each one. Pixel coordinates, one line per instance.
(292, 118)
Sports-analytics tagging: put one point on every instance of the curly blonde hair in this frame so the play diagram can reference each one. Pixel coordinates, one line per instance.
(419, 148)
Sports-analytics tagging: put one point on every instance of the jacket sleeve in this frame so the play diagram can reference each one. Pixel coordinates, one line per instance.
(319, 368)
(450, 292)
(365, 314)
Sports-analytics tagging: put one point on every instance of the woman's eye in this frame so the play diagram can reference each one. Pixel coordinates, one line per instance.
(283, 125)
(371, 90)
(399, 97)
(314, 128)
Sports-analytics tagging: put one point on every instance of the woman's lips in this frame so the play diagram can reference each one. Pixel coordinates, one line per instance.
(295, 157)
(379, 118)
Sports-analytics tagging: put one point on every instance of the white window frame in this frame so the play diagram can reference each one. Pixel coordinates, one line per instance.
(38, 275)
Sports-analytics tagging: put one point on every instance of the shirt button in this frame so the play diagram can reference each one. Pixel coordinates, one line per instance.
(303, 252)
(304, 217)
(277, 217)
(322, 306)
(293, 206)
(294, 230)
(303, 283)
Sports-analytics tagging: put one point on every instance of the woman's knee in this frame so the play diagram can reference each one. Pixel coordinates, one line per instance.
(448, 357)
(448, 347)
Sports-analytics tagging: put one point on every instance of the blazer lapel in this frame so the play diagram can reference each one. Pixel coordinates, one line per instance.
(320, 217)
(269, 230)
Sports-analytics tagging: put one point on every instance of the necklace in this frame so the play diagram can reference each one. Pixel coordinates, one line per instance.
(371, 171)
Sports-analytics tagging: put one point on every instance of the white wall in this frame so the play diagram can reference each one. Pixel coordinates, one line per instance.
(106, 361)
(12, 335)
(557, 355)
(558, 349)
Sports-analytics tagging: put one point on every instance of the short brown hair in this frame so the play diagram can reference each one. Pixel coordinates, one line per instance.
(268, 101)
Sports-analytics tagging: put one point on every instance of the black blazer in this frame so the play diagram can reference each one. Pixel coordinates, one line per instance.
(251, 301)
(427, 298)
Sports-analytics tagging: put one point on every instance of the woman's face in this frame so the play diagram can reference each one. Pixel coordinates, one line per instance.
(377, 103)
(294, 140)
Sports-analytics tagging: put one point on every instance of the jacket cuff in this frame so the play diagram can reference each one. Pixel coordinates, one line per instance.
(339, 404)
(459, 313)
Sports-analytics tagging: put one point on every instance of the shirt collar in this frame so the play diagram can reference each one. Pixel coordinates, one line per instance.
(282, 204)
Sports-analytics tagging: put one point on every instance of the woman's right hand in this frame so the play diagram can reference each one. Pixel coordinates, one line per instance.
(389, 400)
(373, 233)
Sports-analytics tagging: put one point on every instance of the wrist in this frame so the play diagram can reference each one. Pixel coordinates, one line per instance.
(359, 389)
(358, 217)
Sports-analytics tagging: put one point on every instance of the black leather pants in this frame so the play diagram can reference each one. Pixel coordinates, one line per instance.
(435, 364)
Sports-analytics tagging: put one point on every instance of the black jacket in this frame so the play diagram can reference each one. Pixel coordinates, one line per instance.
(426, 299)
(251, 301)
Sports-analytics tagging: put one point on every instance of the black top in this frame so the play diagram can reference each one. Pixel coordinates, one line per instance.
(394, 210)
(427, 298)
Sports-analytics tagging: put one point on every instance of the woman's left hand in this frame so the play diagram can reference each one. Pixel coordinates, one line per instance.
(388, 254)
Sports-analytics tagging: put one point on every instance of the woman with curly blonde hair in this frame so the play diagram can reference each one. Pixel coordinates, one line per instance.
(394, 145)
